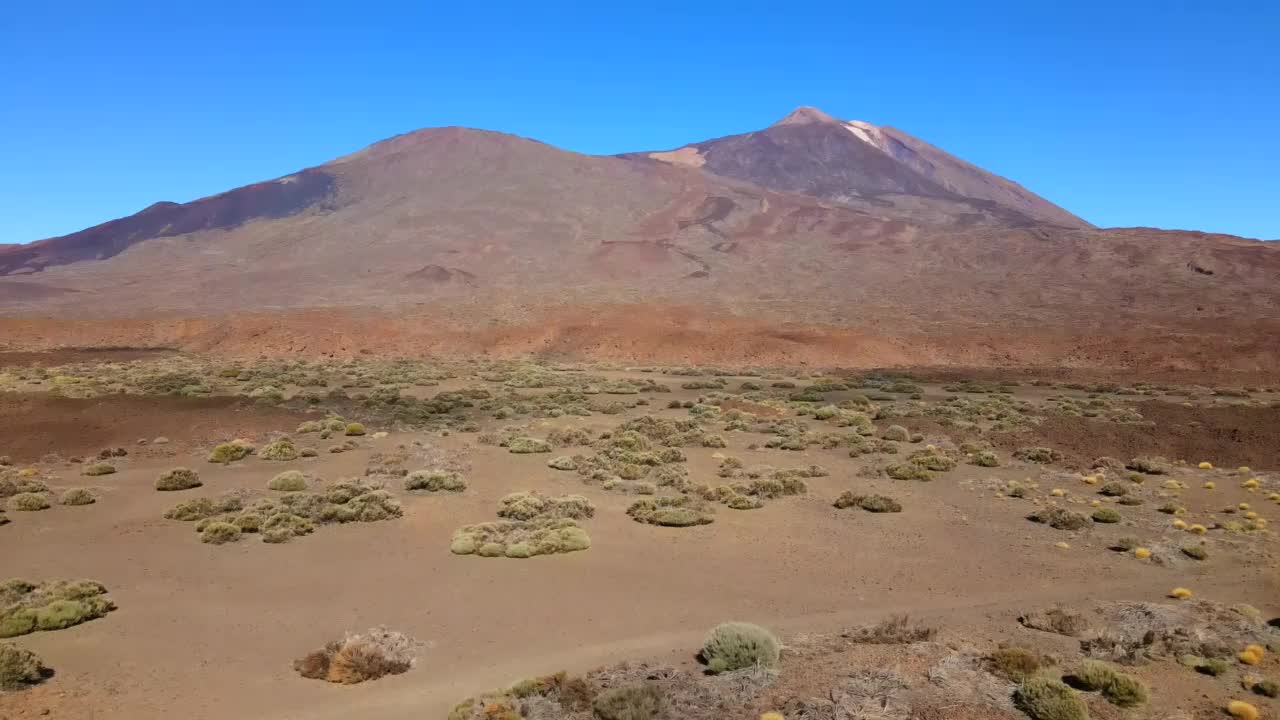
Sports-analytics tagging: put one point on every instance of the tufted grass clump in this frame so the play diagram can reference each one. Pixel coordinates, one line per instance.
(1059, 518)
(908, 471)
(528, 445)
(1118, 688)
(1106, 515)
(1044, 698)
(26, 607)
(1013, 663)
(354, 429)
(29, 502)
(178, 479)
(533, 504)
(202, 508)
(288, 481)
(985, 458)
(359, 658)
(1148, 465)
(282, 450)
(630, 702)
(98, 469)
(1195, 552)
(77, 496)
(230, 452)
(666, 511)
(896, 433)
(870, 503)
(434, 481)
(738, 645)
(20, 668)
(520, 538)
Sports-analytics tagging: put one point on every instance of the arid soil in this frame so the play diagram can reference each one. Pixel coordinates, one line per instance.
(206, 631)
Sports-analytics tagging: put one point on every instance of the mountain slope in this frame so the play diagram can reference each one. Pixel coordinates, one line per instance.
(851, 162)
(465, 241)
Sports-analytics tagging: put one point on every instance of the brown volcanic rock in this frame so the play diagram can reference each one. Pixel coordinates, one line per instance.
(471, 241)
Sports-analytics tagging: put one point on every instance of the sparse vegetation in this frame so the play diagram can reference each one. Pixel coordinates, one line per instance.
(533, 504)
(1013, 663)
(1057, 619)
(1040, 455)
(678, 511)
(520, 538)
(737, 645)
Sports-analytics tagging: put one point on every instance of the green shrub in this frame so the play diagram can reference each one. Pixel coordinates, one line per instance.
(1125, 691)
(1267, 688)
(564, 462)
(19, 668)
(985, 458)
(61, 614)
(1148, 465)
(28, 502)
(353, 429)
(282, 527)
(744, 502)
(533, 504)
(630, 702)
(520, 538)
(1047, 699)
(1092, 675)
(896, 433)
(525, 445)
(178, 479)
(435, 481)
(218, 533)
(1106, 515)
(203, 508)
(77, 496)
(1114, 489)
(1212, 666)
(279, 450)
(97, 469)
(737, 645)
(1014, 663)
(230, 452)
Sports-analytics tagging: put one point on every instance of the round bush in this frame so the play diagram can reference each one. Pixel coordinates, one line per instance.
(354, 429)
(98, 469)
(435, 481)
(279, 450)
(218, 533)
(178, 479)
(1048, 699)
(736, 645)
(19, 668)
(1106, 515)
(77, 496)
(288, 481)
(28, 502)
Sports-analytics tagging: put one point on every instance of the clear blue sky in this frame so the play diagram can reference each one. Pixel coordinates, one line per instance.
(1126, 113)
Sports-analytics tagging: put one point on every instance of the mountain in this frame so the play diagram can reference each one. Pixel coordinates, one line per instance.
(860, 164)
(803, 242)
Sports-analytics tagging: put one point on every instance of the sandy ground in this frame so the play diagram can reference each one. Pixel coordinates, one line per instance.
(211, 631)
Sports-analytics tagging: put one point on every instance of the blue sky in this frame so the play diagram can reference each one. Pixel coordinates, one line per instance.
(1126, 113)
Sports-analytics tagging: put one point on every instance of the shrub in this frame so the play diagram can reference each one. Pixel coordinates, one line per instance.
(288, 481)
(1125, 691)
(533, 504)
(203, 508)
(908, 471)
(358, 658)
(1106, 515)
(679, 511)
(28, 502)
(896, 433)
(1148, 465)
(1060, 620)
(178, 479)
(1267, 688)
(1195, 552)
(870, 503)
(353, 429)
(1048, 699)
(435, 481)
(737, 645)
(1060, 518)
(985, 458)
(1013, 663)
(279, 450)
(564, 462)
(282, 527)
(744, 502)
(310, 426)
(630, 702)
(1040, 455)
(1092, 675)
(527, 445)
(218, 533)
(1242, 710)
(230, 452)
(895, 630)
(1113, 489)
(520, 538)
(97, 469)
(19, 668)
(77, 496)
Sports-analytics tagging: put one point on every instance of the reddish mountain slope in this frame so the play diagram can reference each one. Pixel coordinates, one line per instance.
(456, 240)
